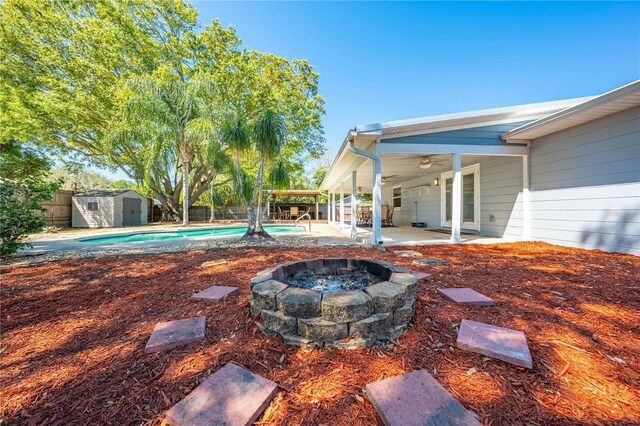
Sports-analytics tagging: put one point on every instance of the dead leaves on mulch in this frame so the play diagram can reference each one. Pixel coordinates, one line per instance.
(73, 334)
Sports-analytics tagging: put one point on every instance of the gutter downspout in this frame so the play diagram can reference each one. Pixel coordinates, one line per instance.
(376, 234)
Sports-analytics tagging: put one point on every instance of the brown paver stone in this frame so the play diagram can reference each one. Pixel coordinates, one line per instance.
(232, 396)
(467, 296)
(171, 334)
(215, 293)
(417, 399)
(497, 342)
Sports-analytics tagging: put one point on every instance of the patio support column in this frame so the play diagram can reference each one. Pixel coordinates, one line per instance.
(354, 189)
(376, 226)
(341, 205)
(456, 199)
(332, 210)
(317, 206)
(526, 199)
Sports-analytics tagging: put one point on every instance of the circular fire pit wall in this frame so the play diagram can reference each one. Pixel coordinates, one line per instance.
(334, 302)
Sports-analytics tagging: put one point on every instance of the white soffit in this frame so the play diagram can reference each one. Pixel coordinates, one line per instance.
(612, 102)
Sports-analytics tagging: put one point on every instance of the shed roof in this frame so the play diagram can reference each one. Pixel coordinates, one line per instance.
(103, 192)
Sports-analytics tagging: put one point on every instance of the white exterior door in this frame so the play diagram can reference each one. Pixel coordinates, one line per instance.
(470, 203)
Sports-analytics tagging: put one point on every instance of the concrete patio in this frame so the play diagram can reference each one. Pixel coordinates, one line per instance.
(405, 235)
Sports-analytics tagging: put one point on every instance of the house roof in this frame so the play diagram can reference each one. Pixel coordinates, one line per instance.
(364, 136)
(617, 100)
(103, 193)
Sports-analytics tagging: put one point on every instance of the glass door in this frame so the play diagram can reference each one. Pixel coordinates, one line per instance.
(470, 203)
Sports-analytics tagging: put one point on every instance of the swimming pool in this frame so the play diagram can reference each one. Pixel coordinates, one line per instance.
(188, 233)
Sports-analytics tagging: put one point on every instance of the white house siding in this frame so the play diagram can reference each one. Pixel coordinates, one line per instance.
(585, 184)
(428, 202)
(82, 217)
(501, 197)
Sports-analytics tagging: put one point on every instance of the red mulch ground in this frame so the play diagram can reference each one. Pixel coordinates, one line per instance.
(73, 334)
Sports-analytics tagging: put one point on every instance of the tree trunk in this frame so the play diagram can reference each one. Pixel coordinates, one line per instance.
(254, 216)
(212, 213)
(185, 189)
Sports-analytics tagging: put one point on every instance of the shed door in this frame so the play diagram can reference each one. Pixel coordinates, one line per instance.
(131, 210)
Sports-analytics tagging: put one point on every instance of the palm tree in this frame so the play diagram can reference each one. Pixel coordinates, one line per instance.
(171, 118)
(266, 137)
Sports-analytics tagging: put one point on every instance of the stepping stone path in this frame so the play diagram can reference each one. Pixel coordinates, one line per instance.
(407, 253)
(420, 275)
(430, 261)
(496, 342)
(232, 396)
(212, 263)
(171, 334)
(467, 296)
(215, 293)
(417, 399)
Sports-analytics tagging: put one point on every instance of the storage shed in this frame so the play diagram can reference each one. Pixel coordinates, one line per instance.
(106, 208)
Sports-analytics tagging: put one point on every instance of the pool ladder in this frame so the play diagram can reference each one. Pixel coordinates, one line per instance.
(302, 217)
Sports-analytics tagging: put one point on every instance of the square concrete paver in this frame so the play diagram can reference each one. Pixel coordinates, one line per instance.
(407, 253)
(420, 275)
(215, 293)
(171, 334)
(232, 396)
(417, 399)
(467, 296)
(496, 342)
(430, 261)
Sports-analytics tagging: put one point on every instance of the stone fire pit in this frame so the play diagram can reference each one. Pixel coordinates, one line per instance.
(334, 302)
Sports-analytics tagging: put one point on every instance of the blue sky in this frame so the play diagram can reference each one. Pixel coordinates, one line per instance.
(385, 61)
(390, 60)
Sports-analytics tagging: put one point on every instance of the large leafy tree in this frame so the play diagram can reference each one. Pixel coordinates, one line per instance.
(71, 68)
(63, 62)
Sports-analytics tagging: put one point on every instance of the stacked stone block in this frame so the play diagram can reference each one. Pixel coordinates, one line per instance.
(342, 319)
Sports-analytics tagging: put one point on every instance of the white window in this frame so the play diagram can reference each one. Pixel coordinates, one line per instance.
(397, 197)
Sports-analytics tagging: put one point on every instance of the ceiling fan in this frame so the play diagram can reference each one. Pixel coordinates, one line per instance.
(426, 162)
(385, 178)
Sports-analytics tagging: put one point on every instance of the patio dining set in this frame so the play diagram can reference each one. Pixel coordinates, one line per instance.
(364, 215)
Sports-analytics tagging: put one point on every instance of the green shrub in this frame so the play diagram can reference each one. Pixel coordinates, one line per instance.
(20, 210)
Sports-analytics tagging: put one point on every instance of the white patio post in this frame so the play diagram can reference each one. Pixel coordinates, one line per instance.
(341, 205)
(526, 199)
(354, 200)
(317, 206)
(456, 199)
(328, 207)
(333, 207)
(376, 231)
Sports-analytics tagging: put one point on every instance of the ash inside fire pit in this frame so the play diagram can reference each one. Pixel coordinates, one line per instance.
(350, 280)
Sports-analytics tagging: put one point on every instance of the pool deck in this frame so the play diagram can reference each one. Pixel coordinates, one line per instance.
(68, 239)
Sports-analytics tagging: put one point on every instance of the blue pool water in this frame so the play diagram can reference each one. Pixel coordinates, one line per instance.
(188, 233)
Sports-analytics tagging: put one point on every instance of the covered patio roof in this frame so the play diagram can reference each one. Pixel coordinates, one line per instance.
(364, 137)
(296, 192)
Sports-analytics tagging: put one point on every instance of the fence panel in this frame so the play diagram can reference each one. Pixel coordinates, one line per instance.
(58, 210)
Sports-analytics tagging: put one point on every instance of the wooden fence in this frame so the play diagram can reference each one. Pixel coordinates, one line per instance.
(58, 210)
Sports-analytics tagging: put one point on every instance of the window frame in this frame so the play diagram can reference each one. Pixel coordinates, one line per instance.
(398, 197)
(92, 203)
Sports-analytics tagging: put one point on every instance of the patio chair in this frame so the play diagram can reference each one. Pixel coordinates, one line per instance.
(390, 216)
(293, 211)
(385, 214)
